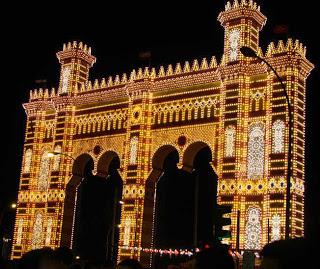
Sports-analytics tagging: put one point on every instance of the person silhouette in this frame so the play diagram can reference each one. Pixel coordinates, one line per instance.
(129, 264)
(288, 254)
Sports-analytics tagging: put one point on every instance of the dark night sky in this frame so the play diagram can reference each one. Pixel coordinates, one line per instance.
(117, 31)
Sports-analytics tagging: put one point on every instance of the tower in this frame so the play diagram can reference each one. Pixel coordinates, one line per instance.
(75, 60)
(242, 22)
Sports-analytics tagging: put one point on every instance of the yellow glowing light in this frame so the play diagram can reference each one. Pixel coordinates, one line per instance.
(51, 154)
(142, 116)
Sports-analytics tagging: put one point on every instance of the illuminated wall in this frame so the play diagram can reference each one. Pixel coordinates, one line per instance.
(235, 106)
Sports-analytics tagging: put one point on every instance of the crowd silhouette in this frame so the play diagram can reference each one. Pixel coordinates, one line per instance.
(284, 254)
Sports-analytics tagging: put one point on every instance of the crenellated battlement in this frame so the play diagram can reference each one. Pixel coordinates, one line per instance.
(162, 72)
(242, 9)
(248, 4)
(76, 50)
(42, 94)
(153, 73)
(75, 45)
(290, 46)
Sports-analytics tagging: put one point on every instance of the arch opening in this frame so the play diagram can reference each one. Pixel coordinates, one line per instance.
(96, 209)
(185, 200)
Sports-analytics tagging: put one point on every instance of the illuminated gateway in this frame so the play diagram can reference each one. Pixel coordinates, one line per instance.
(235, 107)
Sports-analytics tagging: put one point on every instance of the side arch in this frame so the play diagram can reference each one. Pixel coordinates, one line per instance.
(82, 166)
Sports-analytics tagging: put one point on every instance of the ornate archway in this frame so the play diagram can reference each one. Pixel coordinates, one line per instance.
(92, 209)
(171, 219)
(82, 166)
(197, 159)
(158, 161)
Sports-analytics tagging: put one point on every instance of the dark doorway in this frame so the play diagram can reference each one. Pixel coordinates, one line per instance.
(174, 206)
(96, 232)
(178, 194)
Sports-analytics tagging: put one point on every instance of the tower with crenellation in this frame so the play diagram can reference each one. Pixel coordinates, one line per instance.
(76, 61)
(242, 21)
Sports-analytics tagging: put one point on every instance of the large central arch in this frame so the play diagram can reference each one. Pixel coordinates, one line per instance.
(179, 203)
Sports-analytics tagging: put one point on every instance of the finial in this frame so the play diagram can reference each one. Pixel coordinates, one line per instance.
(103, 83)
(243, 2)
(46, 93)
(178, 69)
(169, 70)
(204, 64)
(110, 82)
(140, 74)
(96, 84)
(195, 65)
(213, 62)
(228, 6)
(153, 73)
(235, 4)
(124, 78)
(53, 92)
(146, 72)
(117, 80)
(133, 75)
(89, 87)
(186, 67)
(161, 72)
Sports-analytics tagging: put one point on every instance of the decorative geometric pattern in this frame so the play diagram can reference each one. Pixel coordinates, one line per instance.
(49, 128)
(27, 160)
(234, 40)
(57, 158)
(133, 150)
(186, 110)
(229, 146)
(100, 122)
(37, 235)
(253, 230)
(257, 100)
(49, 231)
(278, 129)
(65, 79)
(256, 150)
(126, 234)
(43, 179)
(275, 228)
(19, 231)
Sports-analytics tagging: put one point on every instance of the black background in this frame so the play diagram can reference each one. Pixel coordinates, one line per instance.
(117, 31)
